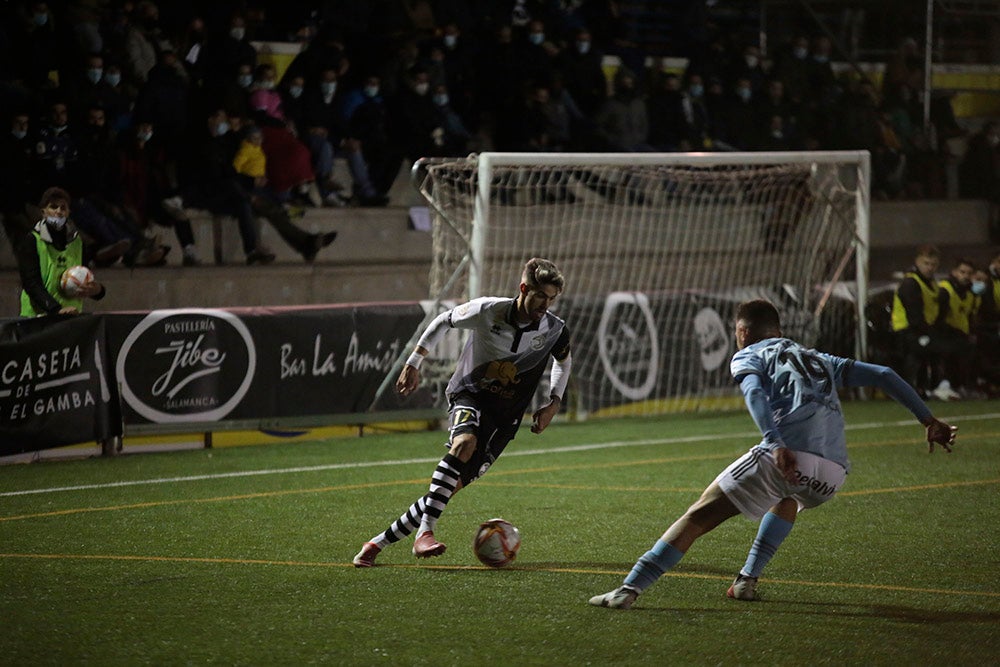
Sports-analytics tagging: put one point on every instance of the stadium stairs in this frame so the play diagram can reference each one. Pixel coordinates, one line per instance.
(380, 256)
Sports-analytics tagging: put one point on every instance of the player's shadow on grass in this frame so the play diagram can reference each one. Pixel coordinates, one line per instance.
(881, 611)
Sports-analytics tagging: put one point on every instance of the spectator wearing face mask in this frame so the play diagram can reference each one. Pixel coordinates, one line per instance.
(37, 45)
(453, 138)
(328, 134)
(57, 150)
(369, 119)
(89, 89)
(459, 71)
(119, 98)
(225, 50)
(622, 123)
(535, 55)
(743, 112)
(750, 67)
(583, 74)
(792, 68)
(148, 193)
(414, 117)
(17, 145)
(52, 246)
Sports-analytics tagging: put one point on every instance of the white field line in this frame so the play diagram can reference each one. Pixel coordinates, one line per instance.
(400, 462)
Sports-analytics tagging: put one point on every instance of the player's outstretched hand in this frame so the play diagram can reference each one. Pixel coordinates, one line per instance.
(408, 380)
(940, 433)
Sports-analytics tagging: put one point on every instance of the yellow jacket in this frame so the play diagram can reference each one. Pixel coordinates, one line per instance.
(250, 160)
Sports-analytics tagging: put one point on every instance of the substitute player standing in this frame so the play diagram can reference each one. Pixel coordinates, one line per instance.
(791, 393)
(496, 377)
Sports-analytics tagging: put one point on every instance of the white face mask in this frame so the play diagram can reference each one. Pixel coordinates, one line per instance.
(800, 52)
(245, 80)
(421, 88)
(328, 87)
(450, 41)
(19, 134)
(56, 221)
(113, 79)
(238, 33)
(295, 91)
(978, 287)
(751, 61)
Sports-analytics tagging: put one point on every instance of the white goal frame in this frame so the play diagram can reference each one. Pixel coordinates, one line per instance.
(481, 187)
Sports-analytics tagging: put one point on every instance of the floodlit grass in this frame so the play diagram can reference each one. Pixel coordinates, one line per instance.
(212, 565)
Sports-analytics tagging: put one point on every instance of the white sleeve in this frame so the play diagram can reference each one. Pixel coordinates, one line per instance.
(435, 331)
(559, 377)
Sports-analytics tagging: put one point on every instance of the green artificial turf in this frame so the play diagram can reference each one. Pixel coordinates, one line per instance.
(241, 556)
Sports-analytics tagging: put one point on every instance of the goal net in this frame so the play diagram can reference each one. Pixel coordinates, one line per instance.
(657, 249)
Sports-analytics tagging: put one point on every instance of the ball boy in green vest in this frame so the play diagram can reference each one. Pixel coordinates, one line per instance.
(52, 246)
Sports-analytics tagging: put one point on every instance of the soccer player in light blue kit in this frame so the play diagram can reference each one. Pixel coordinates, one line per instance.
(801, 462)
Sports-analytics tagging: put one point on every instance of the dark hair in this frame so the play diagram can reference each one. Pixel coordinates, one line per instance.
(53, 195)
(760, 316)
(928, 250)
(538, 272)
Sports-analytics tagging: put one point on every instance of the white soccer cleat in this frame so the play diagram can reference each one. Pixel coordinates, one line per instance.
(425, 546)
(620, 598)
(944, 392)
(743, 588)
(366, 557)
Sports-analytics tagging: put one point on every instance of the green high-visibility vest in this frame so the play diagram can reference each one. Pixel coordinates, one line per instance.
(53, 262)
(929, 293)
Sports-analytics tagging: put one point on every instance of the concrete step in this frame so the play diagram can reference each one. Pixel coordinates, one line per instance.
(377, 257)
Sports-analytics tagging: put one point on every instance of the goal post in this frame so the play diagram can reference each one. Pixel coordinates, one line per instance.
(657, 249)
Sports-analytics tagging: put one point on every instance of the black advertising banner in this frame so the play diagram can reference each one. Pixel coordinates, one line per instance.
(56, 384)
(627, 345)
(194, 365)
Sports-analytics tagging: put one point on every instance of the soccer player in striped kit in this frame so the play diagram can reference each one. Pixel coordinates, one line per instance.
(498, 372)
(801, 462)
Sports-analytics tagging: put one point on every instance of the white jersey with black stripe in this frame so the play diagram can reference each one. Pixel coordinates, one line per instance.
(503, 360)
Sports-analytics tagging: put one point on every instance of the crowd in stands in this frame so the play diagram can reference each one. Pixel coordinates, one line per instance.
(138, 110)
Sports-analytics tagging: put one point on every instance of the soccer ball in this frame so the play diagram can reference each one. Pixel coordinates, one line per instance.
(496, 543)
(73, 279)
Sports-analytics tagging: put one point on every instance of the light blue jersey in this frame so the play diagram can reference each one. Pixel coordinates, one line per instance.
(799, 385)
